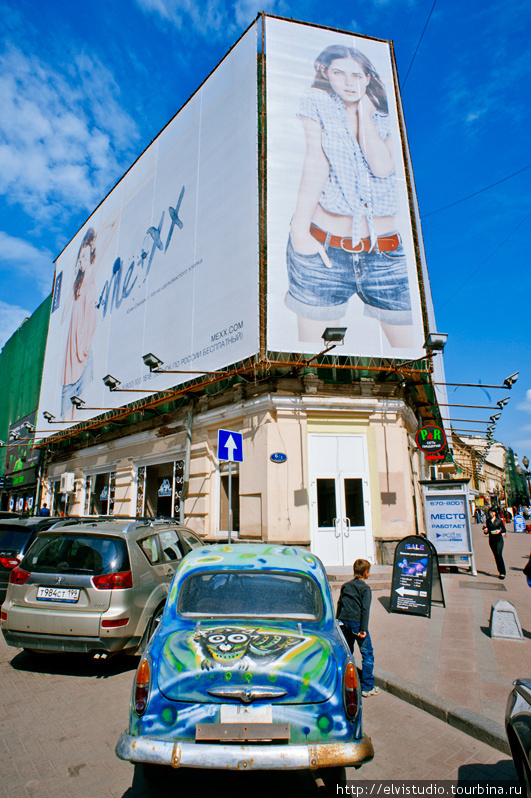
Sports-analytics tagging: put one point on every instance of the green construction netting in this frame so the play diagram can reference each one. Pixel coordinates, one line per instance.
(21, 364)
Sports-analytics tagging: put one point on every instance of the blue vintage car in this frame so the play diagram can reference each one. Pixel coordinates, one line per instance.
(248, 669)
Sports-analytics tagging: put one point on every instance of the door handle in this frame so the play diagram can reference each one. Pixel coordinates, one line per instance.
(337, 532)
(347, 526)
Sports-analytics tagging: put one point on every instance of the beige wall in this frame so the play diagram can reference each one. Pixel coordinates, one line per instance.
(274, 502)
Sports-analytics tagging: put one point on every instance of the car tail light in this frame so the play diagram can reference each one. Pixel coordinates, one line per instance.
(351, 696)
(142, 682)
(112, 624)
(3, 616)
(9, 562)
(18, 576)
(117, 581)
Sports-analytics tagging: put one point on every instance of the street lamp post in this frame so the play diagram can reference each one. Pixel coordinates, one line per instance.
(525, 463)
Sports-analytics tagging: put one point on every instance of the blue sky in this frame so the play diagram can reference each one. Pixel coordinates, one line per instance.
(85, 87)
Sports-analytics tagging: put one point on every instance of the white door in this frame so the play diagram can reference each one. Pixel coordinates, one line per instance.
(341, 529)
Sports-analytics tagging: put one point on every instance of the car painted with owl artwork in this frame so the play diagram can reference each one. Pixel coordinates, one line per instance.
(248, 669)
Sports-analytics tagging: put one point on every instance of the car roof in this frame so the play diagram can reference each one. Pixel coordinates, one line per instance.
(254, 556)
(121, 527)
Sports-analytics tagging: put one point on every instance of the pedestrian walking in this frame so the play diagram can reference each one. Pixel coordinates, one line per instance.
(495, 529)
(527, 571)
(353, 609)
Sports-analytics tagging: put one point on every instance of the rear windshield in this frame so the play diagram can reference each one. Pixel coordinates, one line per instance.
(77, 554)
(256, 594)
(14, 538)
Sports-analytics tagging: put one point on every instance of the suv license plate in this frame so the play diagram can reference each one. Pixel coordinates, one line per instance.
(58, 594)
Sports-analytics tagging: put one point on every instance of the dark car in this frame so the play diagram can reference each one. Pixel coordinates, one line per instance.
(16, 536)
(518, 727)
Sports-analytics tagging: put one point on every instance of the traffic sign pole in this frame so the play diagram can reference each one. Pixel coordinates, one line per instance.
(230, 449)
(230, 502)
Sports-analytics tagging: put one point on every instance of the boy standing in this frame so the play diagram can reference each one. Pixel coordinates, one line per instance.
(353, 610)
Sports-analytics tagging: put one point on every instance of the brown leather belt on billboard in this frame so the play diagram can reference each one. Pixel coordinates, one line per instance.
(385, 243)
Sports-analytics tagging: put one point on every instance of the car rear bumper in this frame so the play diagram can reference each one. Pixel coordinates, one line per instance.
(244, 757)
(67, 643)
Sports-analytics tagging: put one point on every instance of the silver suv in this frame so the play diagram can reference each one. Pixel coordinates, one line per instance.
(95, 587)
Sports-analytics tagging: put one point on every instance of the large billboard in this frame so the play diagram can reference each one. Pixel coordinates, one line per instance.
(340, 244)
(168, 263)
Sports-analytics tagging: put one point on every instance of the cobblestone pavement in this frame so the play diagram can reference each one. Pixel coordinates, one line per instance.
(61, 717)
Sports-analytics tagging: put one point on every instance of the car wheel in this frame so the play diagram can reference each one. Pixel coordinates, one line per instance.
(332, 778)
(521, 764)
(154, 623)
(155, 775)
(523, 771)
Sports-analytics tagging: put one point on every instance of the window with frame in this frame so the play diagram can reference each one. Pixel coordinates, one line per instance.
(99, 493)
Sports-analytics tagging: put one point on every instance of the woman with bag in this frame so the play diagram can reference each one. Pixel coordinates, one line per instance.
(495, 529)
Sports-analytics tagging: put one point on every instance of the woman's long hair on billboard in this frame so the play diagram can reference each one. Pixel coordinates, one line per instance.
(89, 240)
(375, 88)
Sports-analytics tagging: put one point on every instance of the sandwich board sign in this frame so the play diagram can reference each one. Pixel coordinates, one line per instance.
(416, 581)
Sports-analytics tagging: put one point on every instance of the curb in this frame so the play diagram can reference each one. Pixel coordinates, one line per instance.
(473, 724)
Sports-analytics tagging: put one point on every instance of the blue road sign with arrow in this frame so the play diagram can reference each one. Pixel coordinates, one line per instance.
(230, 446)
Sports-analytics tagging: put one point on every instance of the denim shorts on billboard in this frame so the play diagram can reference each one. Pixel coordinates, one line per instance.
(379, 279)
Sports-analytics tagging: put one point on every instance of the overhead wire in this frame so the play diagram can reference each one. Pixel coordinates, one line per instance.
(500, 245)
(480, 191)
(418, 45)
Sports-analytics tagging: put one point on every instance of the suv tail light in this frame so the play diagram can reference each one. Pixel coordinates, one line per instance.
(112, 624)
(9, 562)
(142, 682)
(351, 696)
(18, 576)
(117, 581)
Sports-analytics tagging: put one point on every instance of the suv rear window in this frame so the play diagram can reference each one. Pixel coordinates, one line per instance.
(14, 538)
(250, 594)
(77, 554)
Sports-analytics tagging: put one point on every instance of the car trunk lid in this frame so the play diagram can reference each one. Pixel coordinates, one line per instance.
(247, 662)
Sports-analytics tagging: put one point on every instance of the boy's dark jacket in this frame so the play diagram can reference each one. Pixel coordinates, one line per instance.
(355, 603)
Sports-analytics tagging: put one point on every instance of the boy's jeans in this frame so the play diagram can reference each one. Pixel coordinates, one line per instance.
(366, 651)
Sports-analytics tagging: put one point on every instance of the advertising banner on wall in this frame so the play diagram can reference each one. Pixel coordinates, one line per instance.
(168, 263)
(340, 246)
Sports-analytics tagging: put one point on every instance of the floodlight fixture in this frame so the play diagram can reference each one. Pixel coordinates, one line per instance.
(77, 401)
(29, 427)
(334, 335)
(509, 381)
(111, 382)
(14, 436)
(435, 342)
(502, 402)
(495, 417)
(525, 462)
(2, 443)
(152, 361)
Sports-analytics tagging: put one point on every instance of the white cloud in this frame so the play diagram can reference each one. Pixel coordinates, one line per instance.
(26, 262)
(11, 317)
(64, 138)
(526, 404)
(220, 18)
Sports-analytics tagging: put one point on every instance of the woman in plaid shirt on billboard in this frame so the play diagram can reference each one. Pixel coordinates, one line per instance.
(343, 239)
